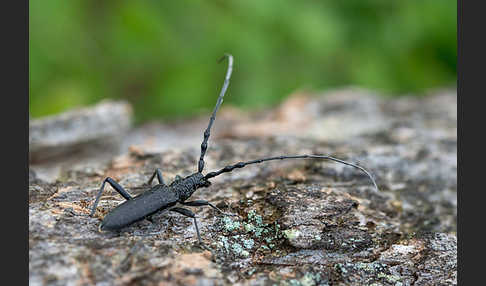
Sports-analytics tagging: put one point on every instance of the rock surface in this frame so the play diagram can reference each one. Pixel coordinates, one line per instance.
(78, 130)
(300, 222)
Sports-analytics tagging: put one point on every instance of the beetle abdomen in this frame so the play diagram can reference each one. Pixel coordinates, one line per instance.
(157, 199)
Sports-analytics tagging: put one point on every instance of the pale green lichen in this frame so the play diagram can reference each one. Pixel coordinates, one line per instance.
(291, 234)
(253, 216)
(251, 271)
(310, 279)
(291, 282)
(230, 225)
(307, 281)
(258, 231)
(248, 243)
(371, 267)
(389, 278)
(253, 228)
(248, 227)
(224, 242)
(341, 268)
(259, 220)
(277, 230)
(238, 250)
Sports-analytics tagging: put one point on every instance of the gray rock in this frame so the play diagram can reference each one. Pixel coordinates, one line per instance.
(301, 222)
(77, 130)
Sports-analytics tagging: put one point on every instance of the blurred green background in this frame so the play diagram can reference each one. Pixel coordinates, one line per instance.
(162, 55)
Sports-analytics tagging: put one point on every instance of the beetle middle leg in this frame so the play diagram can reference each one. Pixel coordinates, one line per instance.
(188, 213)
(115, 186)
(159, 177)
(199, 203)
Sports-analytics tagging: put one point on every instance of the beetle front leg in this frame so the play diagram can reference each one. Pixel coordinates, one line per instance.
(199, 203)
(188, 213)
(159, 177)
(150, 219)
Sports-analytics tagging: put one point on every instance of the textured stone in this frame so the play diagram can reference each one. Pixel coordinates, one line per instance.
(78, 130)
(300, 222)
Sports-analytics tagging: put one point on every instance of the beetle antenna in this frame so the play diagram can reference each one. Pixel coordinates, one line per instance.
(204, 144)
(243, 164)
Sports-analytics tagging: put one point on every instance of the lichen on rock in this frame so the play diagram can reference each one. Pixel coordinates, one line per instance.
(299, 222)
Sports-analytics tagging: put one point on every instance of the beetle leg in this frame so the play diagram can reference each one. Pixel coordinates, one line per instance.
(159, 177)
(199, 203)
(149, 218)
(188, 213)
(115, 186)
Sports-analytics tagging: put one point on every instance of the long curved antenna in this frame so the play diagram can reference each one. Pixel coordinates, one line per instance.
(204, 144)
(243, 164)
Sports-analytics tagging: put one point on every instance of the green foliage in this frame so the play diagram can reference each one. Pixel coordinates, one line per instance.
(161, 55)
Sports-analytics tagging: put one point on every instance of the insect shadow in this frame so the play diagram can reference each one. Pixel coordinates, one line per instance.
(161, 196)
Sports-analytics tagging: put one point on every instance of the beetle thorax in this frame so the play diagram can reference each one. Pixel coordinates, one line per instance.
(187, 186)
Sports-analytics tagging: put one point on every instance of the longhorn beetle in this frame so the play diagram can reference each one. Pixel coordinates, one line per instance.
(161, 196)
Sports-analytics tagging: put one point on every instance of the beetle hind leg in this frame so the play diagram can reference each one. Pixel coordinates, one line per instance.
(115, 186)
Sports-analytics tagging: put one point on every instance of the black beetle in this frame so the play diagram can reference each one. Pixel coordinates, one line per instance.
(162, 197)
